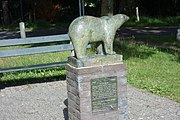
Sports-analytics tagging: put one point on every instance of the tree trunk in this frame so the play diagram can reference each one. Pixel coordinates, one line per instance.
(106, 7)
(116, 6)
(5, 8)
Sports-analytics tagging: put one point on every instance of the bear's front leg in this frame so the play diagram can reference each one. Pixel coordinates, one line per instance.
(80, 52)
(80, 45)
(109, 48)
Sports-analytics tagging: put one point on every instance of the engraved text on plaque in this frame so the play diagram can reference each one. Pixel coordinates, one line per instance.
(104, 94)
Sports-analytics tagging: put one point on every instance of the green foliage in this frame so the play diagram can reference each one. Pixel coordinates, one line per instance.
(148, 7)
(152, 21)
(38, 25)
(144, 22)
(41, 24)
(9, 27)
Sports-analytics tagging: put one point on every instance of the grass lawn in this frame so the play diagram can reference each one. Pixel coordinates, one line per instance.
(38, 25)
(166, 41)
(153, 21)
(8, 78)
(157, 72)
(150, 68)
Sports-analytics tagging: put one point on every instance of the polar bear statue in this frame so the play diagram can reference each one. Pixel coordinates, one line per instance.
(86, 29)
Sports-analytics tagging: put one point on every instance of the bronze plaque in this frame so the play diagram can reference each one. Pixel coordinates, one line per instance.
(104, 94)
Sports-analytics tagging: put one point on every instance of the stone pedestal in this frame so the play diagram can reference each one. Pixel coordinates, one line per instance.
(97, 92)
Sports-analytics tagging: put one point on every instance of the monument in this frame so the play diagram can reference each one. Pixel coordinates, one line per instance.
(96, 84)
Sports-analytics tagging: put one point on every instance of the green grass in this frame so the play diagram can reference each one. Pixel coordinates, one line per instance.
(152, 21)
(33, 60)
(38, 25)
(166, 39)
(159, 73)
(46, 25)
(153, 69)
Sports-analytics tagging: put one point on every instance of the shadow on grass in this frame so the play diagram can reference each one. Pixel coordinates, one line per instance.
(132, 50)
(31, 79)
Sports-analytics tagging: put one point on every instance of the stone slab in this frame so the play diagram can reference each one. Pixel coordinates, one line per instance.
(94, 60)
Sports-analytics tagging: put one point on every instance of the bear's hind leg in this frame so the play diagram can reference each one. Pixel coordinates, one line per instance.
(100, 48)
(109, 48)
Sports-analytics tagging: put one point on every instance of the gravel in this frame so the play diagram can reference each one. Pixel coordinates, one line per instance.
(48, 101)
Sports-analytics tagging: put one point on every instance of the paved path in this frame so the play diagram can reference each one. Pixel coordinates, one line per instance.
(158, 31)
(47, 101)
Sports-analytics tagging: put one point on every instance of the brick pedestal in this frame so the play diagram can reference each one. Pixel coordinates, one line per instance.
(97, 92)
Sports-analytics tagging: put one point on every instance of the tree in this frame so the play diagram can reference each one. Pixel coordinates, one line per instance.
(46, 9)
(5, 8)
(106, 7)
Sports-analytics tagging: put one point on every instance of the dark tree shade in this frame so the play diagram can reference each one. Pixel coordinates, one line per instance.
(148, 7)
(70, 8)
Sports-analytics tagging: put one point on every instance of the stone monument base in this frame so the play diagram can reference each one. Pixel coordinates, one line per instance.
(97, 92)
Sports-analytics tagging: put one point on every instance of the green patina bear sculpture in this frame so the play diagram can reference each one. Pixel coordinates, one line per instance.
(87, 29)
